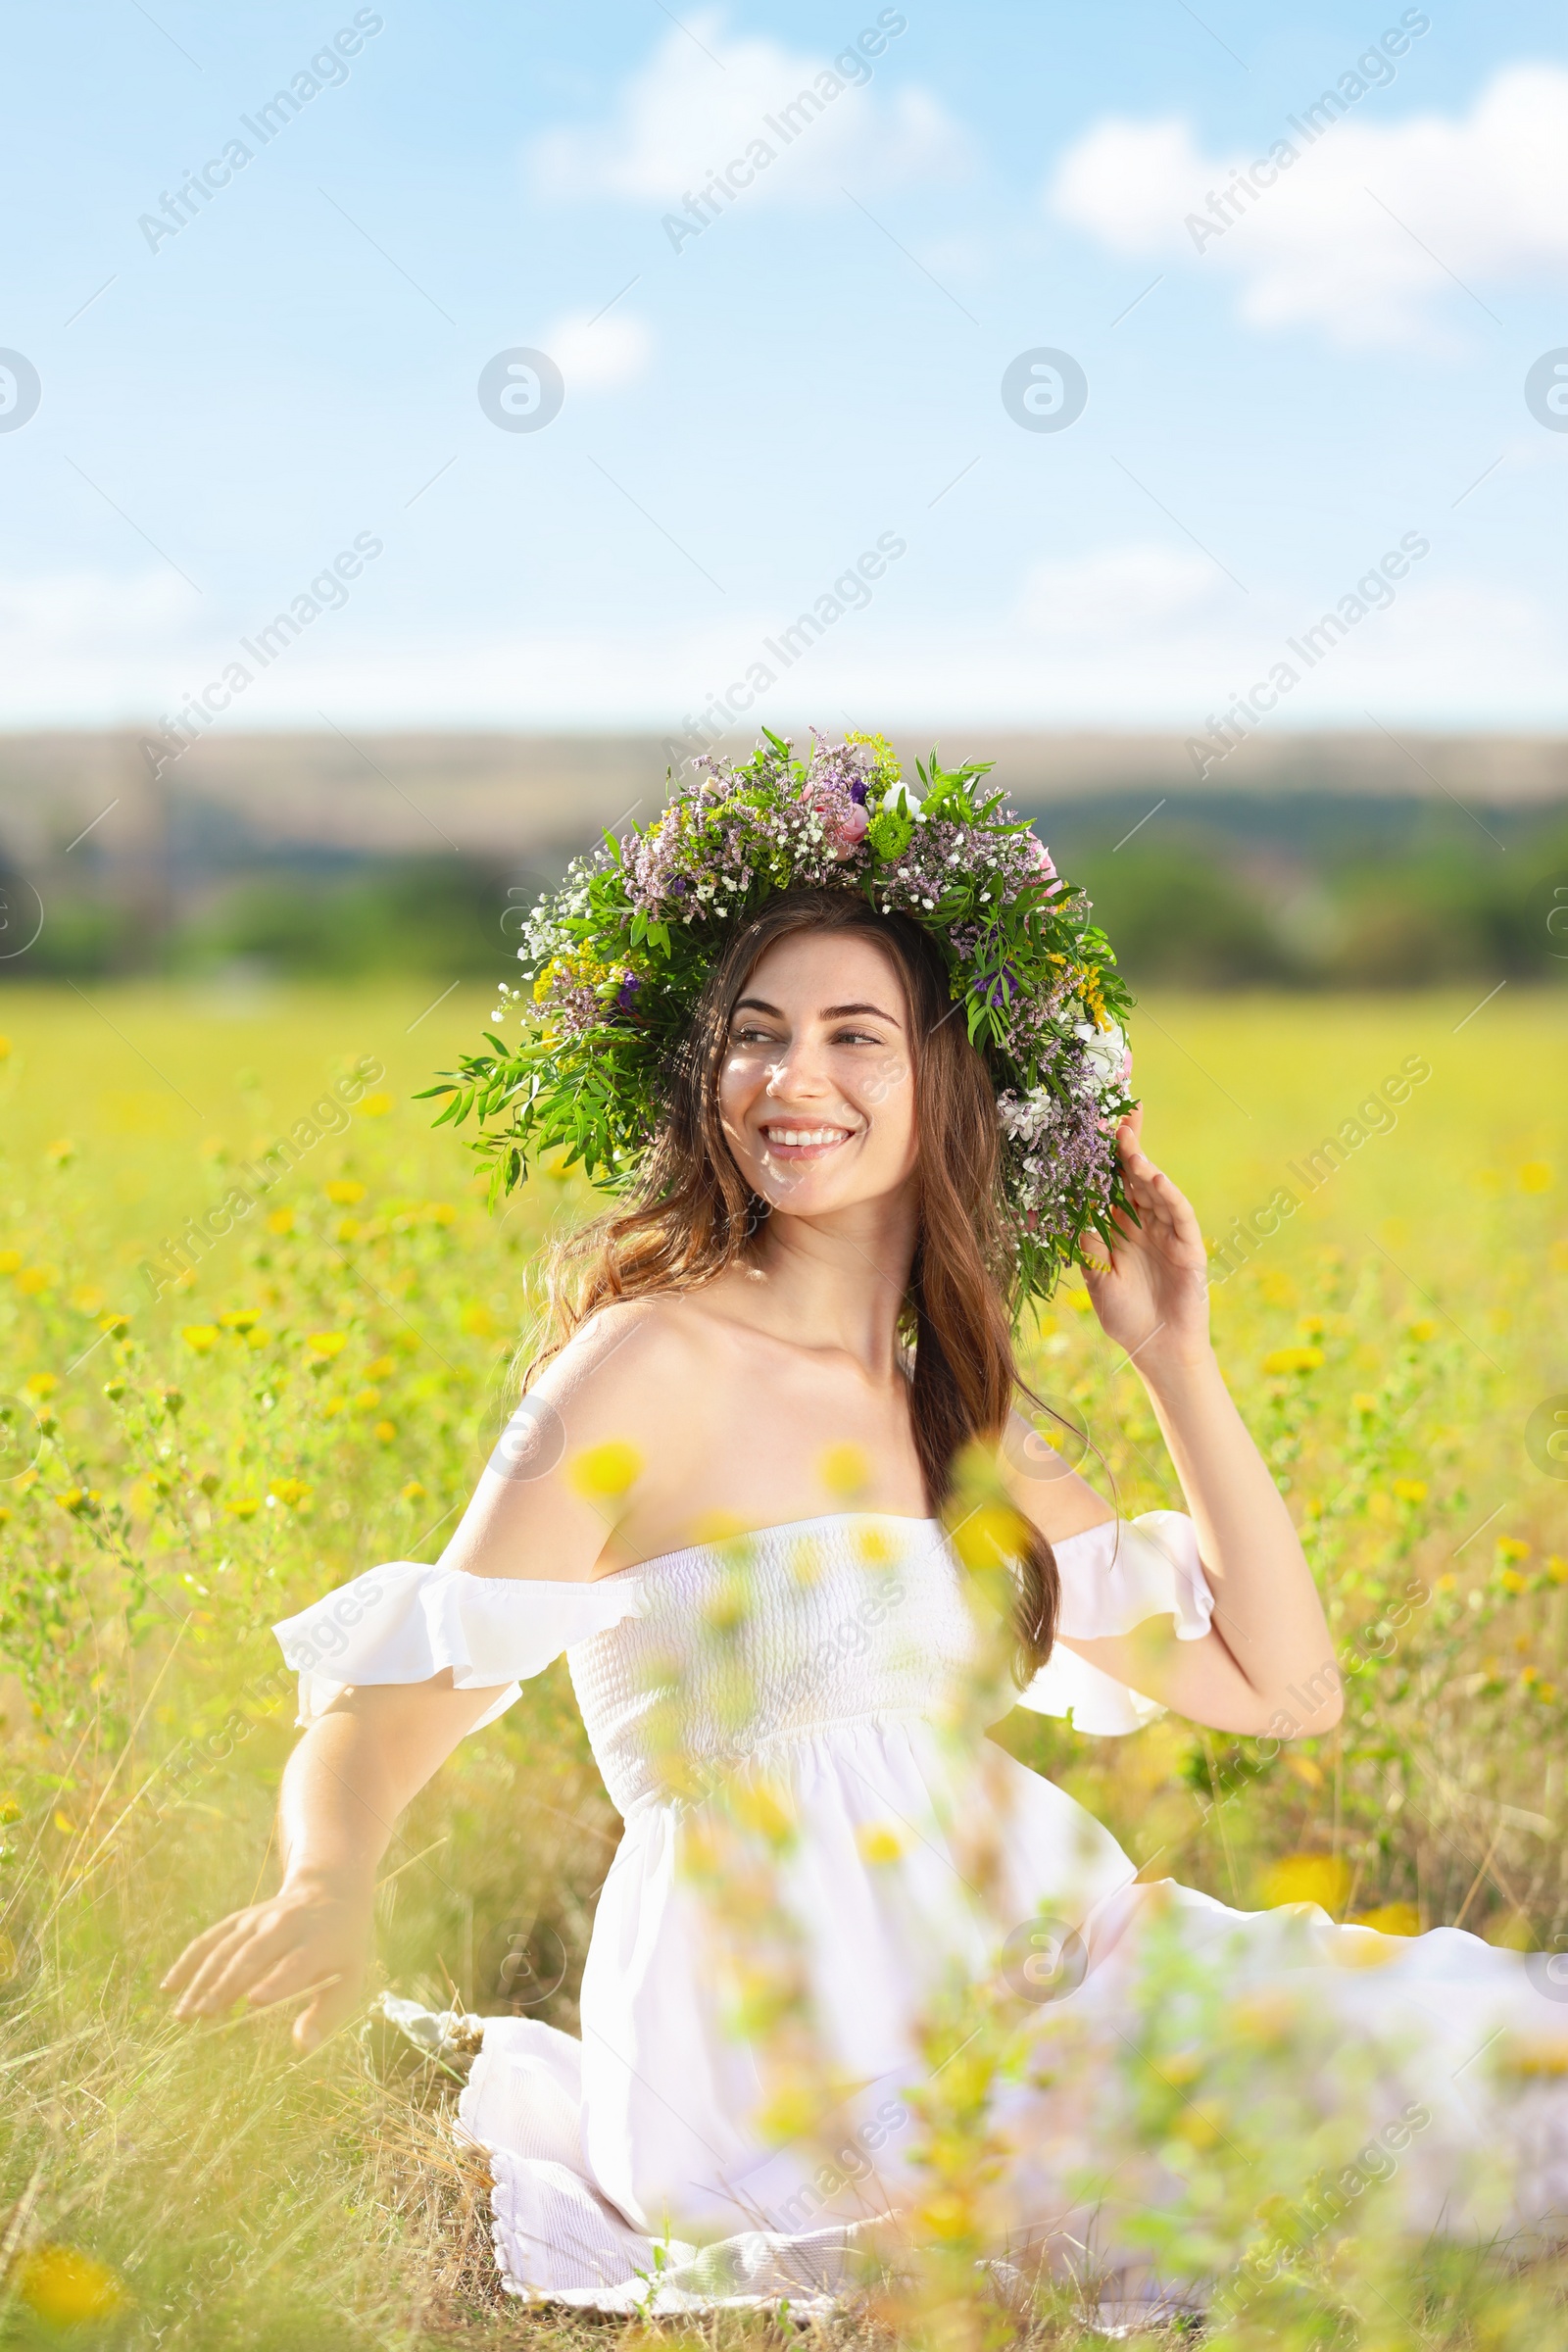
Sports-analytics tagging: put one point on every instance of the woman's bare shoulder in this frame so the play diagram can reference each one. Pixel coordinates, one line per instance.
(641, 1359)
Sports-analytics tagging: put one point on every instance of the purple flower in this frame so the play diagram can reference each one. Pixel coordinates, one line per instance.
(628, 994)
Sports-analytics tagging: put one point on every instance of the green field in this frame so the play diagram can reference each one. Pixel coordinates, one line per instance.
(175, 1481)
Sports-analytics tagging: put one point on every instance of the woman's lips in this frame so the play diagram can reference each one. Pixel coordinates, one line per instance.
(798, 1141)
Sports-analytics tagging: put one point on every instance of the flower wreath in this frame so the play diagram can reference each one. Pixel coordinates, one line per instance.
(618, 954)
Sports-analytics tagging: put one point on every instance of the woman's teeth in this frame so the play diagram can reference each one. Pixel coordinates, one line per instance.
(805, 1138)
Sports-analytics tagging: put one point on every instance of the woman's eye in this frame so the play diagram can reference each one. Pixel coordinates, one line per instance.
(751, 1037)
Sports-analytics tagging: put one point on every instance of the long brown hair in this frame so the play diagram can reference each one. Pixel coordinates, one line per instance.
(692, 1214)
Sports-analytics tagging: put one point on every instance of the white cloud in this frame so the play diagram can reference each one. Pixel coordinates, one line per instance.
(1359, 234)
(704, 97)
(600, 354)
(1117, 593)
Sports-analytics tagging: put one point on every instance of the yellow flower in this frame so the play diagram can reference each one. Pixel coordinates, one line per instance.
(67, 2287)
(1294, 1359)
(80, 1502)
(367, 1397)
(258, 1338)
(758, 1805)
(1558, 1568)
(348, 1229)
(289, 1490)
(1411, 1489)
(239, 1318)
(201, 1336)
(41, 1384)
(412, 1493)
(326, 1344)
(1308, 1879)
(1512, 1581)
(878, 1842)
(87, 1301)
(62, 1151)
(381, 1369)
(33, 1280)
(604, 1473)
(280, 1221)
(991, 1536)
(376, 1106)
(846, 1471)
(384, 1432)
(344, 1191)
(243, 1506)
(1423, 1330)
(1391, 1919)
(1534, 1177)
(1512, 1548)
(10, 1260)
(478, 1320)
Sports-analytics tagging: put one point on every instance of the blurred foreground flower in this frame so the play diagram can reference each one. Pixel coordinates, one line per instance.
(604, 1473)
(201, 1336)
(65, 2287)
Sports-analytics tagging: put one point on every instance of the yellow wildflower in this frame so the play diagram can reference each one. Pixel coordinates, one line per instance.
(201, 1336)
(1323, 1878)
(67, 2287)
(1292, 1359)
(344, 1191)
(1534, 1177)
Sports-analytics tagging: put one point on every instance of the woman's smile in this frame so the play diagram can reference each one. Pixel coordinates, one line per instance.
(791, 1139)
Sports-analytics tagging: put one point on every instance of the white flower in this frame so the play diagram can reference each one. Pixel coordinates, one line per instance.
(1104, 1052)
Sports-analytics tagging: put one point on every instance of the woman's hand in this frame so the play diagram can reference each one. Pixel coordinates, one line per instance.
(305, 1940)
(1151, 1292)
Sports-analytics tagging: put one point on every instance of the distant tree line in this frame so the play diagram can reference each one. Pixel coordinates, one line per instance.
(1201, 889)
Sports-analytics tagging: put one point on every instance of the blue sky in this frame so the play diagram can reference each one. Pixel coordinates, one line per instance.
(1274, 402)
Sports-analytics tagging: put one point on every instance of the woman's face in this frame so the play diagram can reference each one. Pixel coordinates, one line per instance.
(817, 1093)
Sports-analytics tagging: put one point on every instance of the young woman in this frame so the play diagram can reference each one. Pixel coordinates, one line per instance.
(743, 1497)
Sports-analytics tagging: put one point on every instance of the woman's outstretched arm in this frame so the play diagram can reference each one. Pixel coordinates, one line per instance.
(1267, 1666)
(352, 1774)
(373, 1748)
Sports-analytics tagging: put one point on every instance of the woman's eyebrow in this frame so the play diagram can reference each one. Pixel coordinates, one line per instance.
(758, 1005)
(837, 1013)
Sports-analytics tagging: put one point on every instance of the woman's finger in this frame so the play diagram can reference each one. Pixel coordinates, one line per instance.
(233, 1968)
(296, 1972)
(196, 1951)
(323, 2015)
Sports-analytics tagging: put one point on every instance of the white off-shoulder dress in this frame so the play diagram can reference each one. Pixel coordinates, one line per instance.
(824, 1663)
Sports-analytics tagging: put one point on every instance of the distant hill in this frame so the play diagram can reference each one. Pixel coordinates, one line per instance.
(326, 851)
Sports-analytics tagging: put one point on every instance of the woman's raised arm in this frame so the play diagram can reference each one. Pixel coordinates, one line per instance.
(1266, 1665)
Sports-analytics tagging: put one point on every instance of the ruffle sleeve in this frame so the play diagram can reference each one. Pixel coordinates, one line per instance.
(403, 1622)
(1113, 1578)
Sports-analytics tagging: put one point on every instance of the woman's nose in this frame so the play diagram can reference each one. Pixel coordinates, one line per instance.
(794, 1070)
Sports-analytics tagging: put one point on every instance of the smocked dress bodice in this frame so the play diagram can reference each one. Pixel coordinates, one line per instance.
(776, 1637)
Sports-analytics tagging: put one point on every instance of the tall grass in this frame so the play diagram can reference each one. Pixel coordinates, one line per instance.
(318, 1396)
